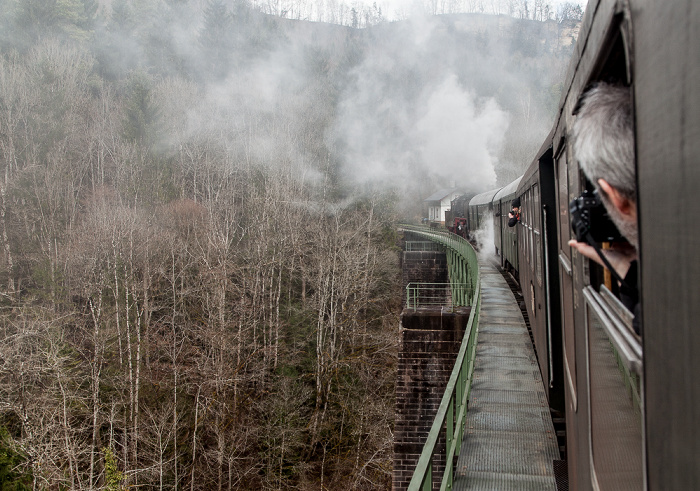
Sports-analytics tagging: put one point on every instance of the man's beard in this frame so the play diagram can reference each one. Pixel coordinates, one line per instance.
(627, 227)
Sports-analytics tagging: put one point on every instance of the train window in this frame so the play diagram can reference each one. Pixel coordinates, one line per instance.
(538, 259)
(563, 191)
(538, 211)
(531, 224)
(528, 207)
(524, 235)
(538, 222)
(615, 403)
(565, 277)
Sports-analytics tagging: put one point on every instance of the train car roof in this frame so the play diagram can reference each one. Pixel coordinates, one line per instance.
(507, 191)
(484, 198)
(581, 61)
(545, 153)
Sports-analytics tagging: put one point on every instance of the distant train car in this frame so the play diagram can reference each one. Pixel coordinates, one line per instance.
(481, 210)
(456, 218)
(459, 226)
(505, 237)
(460, 205)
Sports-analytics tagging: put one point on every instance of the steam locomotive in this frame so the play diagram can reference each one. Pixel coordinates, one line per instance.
(631, 402)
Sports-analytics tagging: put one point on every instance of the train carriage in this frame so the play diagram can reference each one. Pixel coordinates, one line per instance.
(481, 209)
(456, 218)
(505, 237)
(602, 361)
(630, 404)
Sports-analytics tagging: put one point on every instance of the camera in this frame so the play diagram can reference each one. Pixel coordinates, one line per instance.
(589, 216)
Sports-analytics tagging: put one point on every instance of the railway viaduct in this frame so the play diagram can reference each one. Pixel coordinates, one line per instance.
(507, 440)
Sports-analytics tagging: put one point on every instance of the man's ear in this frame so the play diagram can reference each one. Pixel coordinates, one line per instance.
(623, 205)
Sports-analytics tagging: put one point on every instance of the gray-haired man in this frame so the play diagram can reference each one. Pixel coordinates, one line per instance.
(603, 144)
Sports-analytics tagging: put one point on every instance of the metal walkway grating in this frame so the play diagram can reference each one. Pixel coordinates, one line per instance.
(509, 441)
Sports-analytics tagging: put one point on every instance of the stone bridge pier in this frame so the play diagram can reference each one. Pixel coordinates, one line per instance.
(430, 339)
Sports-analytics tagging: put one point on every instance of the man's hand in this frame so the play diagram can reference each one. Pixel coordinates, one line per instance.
(620, 257)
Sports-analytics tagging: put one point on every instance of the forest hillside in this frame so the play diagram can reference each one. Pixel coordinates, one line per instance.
(199, 278)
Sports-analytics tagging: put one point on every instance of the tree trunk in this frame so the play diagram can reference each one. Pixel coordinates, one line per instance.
(5, 240)
(194, 437)
(96, 313)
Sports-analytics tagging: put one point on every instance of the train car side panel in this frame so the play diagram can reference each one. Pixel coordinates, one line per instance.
(506, 237)
(538, 278)
(667, 103)
(576, 433)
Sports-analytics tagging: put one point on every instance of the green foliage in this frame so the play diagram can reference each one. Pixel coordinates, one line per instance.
(12, 475)
(113, 476)
(122, 18)
(90, 10)
(75, 18)
(216, 37)
(163, 47)
(36, 17)
(117, 45)
(67, 19)
(286, 415)
(141, 113)
(47, 283)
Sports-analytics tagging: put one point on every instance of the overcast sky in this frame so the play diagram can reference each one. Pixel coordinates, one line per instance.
(399, 8)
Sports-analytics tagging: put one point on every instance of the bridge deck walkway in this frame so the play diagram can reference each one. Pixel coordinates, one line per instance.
(509, 441)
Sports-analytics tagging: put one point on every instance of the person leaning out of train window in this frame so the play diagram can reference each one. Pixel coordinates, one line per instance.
(514, 213)
(603, 144)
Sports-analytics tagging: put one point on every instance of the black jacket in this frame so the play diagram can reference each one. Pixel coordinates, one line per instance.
(513, 219)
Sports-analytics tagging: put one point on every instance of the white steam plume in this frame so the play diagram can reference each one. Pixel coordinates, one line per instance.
(485, 238)
(406, 116)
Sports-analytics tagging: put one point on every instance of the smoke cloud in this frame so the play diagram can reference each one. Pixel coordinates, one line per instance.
(484, 238)
(458, 137)
(425, 103)
(423, 109)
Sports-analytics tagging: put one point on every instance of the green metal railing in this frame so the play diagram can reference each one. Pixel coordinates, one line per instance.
(437, 295)
(450, 419)
(421, 245)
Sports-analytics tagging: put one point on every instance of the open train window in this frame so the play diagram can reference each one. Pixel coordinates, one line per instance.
(614, 350)
(614, 67)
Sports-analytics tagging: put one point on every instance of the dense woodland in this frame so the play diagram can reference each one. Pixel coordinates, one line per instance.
(197, 288)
